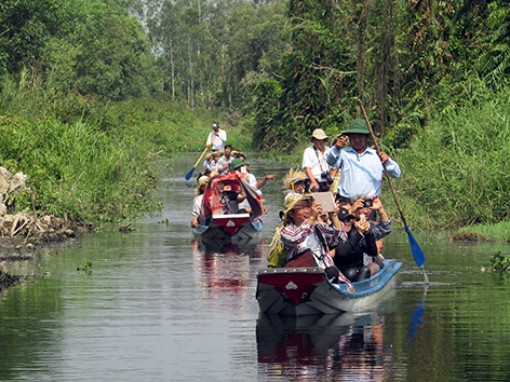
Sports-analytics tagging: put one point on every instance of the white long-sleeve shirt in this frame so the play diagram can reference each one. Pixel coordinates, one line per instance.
(217, 141)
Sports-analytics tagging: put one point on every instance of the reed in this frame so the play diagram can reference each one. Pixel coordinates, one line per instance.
(93, 160)
(456, 172)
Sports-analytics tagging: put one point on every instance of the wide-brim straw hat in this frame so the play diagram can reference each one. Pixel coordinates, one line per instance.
(291, 200)
(292, 177)
(319, 134)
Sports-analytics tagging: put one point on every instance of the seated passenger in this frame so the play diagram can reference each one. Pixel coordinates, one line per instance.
(380, 226)
(223, 164)
(303, 236)
(295, 181)
(197, 200)
(349, 257)
(233, 200)
(211, 162)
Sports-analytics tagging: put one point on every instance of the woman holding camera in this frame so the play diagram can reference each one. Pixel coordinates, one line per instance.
(360, 258)
(315, 165)
(349, 257)
(306, 239)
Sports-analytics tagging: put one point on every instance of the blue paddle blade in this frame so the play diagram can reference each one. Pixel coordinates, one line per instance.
(419, 257)
(189, 174)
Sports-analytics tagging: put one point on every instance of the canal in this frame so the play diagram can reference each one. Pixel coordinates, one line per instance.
(156, 305)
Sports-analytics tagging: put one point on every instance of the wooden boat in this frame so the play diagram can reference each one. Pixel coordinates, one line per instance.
(238, 227)
(305, 291)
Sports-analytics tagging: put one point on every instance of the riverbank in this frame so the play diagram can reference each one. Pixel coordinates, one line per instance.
(26, 234)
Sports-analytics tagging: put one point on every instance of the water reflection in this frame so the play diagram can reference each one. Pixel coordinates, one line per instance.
(346, 347)
(225, 269)
(417, 319)
(159, 307)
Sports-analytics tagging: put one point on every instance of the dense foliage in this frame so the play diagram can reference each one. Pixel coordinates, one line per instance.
(90, 47)
(429, 72)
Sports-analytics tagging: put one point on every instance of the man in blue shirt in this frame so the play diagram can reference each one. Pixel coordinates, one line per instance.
(361, 166)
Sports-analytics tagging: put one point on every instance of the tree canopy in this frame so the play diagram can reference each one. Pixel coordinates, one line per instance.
(316, 58)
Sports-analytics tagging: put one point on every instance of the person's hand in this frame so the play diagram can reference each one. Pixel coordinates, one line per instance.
(376, 203)
(310, 220)
(317, 210)
(208, 145)
(342, 141)
(270, 177)
(337, 208)
(362, 226)
(356, 205)
(383, 156)
(314, 186)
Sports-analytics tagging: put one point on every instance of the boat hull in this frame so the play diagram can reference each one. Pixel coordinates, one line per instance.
(237, 229)
(306, 291)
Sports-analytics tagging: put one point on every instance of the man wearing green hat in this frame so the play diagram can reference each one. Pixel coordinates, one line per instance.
(361, 166)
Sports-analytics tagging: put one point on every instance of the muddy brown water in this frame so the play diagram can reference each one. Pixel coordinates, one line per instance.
(156, 305)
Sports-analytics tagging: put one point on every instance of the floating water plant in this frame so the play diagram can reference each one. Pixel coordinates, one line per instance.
(500, 263)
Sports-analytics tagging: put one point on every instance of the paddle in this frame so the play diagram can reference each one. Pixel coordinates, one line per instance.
(190, 172)
(419, 257)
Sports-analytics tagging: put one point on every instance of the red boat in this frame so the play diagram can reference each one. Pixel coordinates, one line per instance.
(224, 218)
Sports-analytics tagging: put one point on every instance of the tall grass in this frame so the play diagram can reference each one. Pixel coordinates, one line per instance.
(92, 160)
(457, 172)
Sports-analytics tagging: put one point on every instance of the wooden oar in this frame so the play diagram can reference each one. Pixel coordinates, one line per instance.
(190, 172)
(419, 257)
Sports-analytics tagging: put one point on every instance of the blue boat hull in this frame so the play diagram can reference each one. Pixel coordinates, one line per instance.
(305, 291)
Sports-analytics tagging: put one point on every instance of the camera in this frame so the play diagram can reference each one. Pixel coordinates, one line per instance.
(368, 203)
(327, 177)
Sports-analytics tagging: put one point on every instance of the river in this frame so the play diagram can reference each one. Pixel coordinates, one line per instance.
(155, 305)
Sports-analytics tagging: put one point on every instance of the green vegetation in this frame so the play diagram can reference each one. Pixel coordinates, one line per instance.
(459, 165)
(92, 161)
(499, 232)
(500, 263)
(91, 92)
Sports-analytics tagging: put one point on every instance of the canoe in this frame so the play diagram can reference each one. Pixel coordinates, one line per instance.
(306, 291)
(238, 227)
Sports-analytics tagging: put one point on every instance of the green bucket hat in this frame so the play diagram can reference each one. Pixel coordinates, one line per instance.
(236, 163)
(357, 126)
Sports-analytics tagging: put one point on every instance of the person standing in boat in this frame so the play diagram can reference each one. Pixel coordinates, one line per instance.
(361, 167)
(217, 138)
(315, 165)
